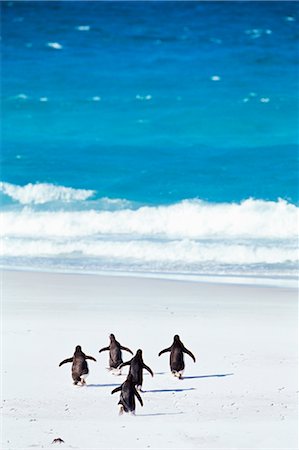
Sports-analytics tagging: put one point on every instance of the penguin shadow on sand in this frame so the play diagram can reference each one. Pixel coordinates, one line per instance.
(101, 385)
(218, 375)
(161, 414)
(192, 377)
(156, 391)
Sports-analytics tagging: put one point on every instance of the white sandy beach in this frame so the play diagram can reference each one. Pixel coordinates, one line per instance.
(241, 392)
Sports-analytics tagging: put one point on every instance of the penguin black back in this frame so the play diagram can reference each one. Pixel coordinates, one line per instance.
(115, 352)
(79, 365)
(177, 350)
(127, 395)
(136, 368)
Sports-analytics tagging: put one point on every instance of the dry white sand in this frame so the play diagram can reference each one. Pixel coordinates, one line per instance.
(241, 392)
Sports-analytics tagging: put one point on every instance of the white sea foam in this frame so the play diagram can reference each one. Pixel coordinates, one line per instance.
(41, 193)
(21, 97)
(143, 97)
(54, 45)
(184, 252)
(114, 232)
(264, 99)
(189, 219)
(83, 28)
(255, 33)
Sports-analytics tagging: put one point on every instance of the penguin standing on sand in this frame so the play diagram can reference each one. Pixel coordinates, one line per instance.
(115, 355)
(136, 369)
(79, 366)
(127, 396)
(177, 350)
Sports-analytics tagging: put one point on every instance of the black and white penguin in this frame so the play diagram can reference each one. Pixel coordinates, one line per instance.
(128, 393)
(136, 369)
(177, 350)
(115, 354)
(79, 366)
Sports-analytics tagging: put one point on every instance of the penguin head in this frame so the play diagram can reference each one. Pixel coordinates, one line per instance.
(176, 338)
(112, 337)
(78, 349)
(139, 353)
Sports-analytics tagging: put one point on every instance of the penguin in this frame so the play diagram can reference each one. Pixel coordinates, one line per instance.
(79, 366)
(127, 396)
(115, 355)
(136, 369)
(177, 350)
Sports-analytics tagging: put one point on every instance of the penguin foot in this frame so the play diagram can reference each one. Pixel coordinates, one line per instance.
(177, 374)
(121, 411)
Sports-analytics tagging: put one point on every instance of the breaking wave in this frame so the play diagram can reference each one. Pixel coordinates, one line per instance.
(41, 193)
(184, 252)
(189, 219)
(66, 227)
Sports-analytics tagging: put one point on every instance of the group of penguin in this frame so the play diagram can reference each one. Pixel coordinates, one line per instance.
(129, 389)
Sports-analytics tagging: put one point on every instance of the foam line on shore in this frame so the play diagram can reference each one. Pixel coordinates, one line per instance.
(279, 282)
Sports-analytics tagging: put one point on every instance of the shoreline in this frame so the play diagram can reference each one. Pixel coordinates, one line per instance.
(290, 281)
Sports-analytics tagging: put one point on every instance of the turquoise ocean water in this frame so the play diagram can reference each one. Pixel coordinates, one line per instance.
(155, 137)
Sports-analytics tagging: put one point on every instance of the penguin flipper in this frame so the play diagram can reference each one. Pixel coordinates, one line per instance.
(138, 396)
(124, 364)
(126, 349)
(185, 350)
(164, 351)
(116, 389)
(104, 349)
(66, 361)
(148, 369)
(91, 357)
